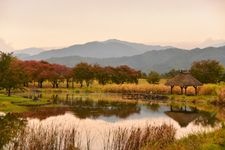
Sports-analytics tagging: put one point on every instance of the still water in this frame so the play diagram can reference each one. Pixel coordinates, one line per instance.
(95, 118)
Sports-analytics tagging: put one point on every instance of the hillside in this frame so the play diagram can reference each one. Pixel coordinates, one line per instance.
(161, 61)
(105, 49)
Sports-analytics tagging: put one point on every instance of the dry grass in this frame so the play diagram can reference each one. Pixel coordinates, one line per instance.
(221, 97)
(138, 88)
(139, 138)
(133, 138)
(47, 139)
(207, 89)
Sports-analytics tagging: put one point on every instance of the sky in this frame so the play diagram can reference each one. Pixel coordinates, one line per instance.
(59, 23)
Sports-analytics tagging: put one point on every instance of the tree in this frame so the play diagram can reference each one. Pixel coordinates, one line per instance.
(153, 77)
(207, 71)
(101, 74)
(83, 72)
(171, 73)
(122, 74)
(12, 75)
(43, 72)
(68, 75)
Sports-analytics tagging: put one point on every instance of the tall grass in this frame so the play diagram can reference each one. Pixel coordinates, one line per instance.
(119, 138)
(46, 139)
(207, 89)
(221, 96)
(138, 138)
(138, 88)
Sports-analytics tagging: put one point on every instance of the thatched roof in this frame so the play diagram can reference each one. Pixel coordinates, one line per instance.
(183, 79)
(183, 118)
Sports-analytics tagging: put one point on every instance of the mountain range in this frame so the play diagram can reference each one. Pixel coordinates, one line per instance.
(161, 61)
(140, 56)
(28, 52)
(105, 49)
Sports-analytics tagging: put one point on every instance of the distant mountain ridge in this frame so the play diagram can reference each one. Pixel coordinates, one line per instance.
(27, 52)
(30, 51)
(105, 49)
(161, 61)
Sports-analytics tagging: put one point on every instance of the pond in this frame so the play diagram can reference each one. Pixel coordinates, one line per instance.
(92, 121)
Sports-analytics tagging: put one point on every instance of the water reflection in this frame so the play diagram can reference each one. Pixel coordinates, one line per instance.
(182, 114)
(185, 115)
(43, 112)
(153, 107)
(95, 109)
(207, 118)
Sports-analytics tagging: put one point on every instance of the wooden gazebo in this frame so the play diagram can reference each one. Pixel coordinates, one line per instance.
(184, 80)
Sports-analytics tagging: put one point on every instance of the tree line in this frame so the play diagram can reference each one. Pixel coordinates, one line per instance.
(15, 73)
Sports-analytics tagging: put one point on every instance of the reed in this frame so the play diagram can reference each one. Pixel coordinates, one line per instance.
(137, 88)
(118, 138)
(139, 138)
(47, 139)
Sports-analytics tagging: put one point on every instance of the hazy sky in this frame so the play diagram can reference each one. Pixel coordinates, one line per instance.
(57, 23)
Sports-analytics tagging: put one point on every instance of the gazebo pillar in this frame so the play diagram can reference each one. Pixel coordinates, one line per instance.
(185, 90)
(181, 90)
(196, 90)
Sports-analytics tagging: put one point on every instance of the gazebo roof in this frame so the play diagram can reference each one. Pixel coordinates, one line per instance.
(183, 79)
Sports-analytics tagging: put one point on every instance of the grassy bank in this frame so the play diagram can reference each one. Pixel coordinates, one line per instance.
(18, 104)
(210, 141)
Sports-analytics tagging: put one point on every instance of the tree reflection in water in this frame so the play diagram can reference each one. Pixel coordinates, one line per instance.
(10, 127)
(153, 107)
(93, 109)
(87, 107)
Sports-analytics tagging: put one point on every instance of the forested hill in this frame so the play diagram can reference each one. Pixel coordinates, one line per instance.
(161, 61)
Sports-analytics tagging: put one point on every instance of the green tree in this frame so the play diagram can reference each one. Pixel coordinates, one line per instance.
(207, 71)
(124, 74)
(171, 73)
(102, 74)
(12, 75)
(83, 72)
(153, 77)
